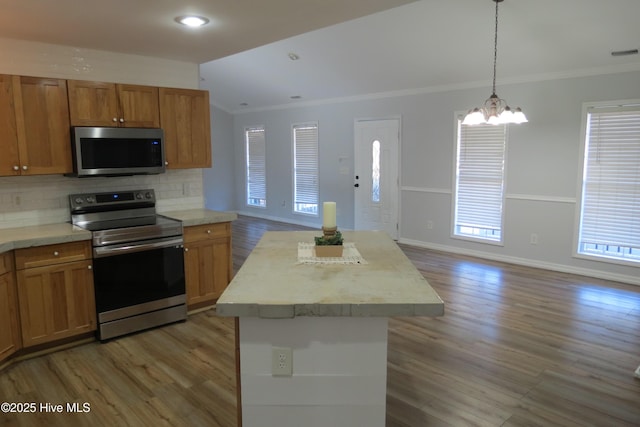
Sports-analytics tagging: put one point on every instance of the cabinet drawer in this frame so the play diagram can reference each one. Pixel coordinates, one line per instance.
(52, 254)
(207, 231)
(6, 262)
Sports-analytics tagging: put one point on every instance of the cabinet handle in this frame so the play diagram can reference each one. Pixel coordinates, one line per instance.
(166, 163)
(208, 231)
(25, 167)
(56, 253)
(115, 119)
(186, 249)
(90, 267)
(121, 120)
(16, 167)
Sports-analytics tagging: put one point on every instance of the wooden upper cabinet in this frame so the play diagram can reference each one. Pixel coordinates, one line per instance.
(139, 106)
(42, 116)
(113, 105)
(34, 126)
(184, 116)
(9, 160)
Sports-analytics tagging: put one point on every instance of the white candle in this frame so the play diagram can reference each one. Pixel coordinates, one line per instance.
(329, 214)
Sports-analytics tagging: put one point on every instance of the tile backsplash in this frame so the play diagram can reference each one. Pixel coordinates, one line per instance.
(35, 200)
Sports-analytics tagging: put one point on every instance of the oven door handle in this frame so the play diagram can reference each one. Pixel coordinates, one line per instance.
(127, 248)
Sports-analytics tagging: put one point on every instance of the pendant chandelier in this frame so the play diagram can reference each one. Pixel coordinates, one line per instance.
(495, 110)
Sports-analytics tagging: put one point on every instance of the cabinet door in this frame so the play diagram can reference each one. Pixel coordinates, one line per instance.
(92, 103)
(9, 161)
(42, 117)
(184, 116)
(207, 271)
(10, 341)
(139, 106)
(56, 302)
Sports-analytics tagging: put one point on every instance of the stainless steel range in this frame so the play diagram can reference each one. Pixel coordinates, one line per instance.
(138, 260)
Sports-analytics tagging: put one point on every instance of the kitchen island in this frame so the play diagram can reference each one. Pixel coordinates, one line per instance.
(332, 315)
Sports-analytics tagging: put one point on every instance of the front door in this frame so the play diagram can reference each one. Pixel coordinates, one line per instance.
(376, 184)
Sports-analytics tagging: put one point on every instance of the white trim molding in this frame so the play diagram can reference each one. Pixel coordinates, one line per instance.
(632, 280)
(426, 190)
(537, 198)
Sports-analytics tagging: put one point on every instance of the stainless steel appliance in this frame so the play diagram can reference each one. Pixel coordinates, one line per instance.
(104, 151)
(138, 260)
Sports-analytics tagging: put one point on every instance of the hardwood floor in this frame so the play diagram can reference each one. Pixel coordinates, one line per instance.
(517, 347)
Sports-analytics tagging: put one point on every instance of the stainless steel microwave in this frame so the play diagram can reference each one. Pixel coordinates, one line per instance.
(105, 151)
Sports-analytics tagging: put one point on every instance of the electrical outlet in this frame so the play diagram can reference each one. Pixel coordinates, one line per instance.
(282, 362)
(534, 239)
(429, 225)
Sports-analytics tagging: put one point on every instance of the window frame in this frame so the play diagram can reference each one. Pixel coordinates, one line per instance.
(247, 168)
(294, 174)
(587, 108)
(459, 116)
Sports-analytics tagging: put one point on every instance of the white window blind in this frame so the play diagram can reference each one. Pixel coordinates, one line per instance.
(610, 208)
(479, 195)
(256, 167)
(305, 167)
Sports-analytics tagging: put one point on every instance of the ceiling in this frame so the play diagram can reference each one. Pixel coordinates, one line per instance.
(148, 27)
(351, 48)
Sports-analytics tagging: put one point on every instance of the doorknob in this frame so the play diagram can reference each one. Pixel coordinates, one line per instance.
(356, 185)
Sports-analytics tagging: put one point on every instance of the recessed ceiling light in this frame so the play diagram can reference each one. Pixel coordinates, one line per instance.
(192, 21)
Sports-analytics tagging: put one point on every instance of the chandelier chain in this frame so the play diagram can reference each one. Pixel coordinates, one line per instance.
(495, 48)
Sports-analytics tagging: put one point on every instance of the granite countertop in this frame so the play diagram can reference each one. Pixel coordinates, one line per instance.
(273, 284)
(40, 235)
(49, 234)
(191, 217)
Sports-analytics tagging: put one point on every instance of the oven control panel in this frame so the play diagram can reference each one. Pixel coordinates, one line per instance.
(112, 199)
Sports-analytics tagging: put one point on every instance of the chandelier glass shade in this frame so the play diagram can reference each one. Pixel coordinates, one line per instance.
(495, 110)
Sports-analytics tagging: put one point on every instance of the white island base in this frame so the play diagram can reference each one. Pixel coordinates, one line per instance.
(334, 318)
(339, 372)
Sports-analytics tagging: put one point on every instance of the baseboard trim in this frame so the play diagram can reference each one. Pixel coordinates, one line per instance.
(623, 278)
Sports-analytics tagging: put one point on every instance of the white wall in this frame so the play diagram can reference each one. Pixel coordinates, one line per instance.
(542, 171)
(33, 200)
(219, 180)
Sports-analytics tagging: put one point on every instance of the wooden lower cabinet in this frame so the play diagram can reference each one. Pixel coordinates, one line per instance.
(56, 300)
(10, 340)
(208, 265)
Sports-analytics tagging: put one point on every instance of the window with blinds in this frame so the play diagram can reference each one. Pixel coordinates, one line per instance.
(305, 168)
(610, 202)
(255, 149)
(479, 182)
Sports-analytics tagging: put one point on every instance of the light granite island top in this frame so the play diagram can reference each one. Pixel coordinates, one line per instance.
(273, 284)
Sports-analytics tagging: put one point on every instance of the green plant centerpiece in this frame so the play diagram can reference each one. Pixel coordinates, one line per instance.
(330, 243)
(330, 240)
